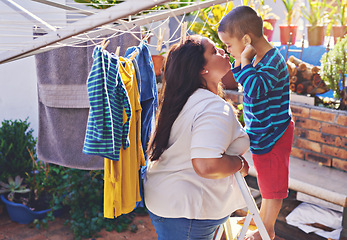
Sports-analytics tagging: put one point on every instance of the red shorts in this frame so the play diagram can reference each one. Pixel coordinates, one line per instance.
(272, 167)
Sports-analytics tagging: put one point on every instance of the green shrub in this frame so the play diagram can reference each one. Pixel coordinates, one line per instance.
(15, 137)
(334, 67)
(83, 193)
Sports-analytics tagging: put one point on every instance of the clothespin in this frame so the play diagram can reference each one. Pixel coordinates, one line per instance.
(104, 44)
(133, 55)
(183, 32)
(148, 35)
(160, 39)
(117, 51)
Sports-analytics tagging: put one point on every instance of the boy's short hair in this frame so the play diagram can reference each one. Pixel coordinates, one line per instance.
(240, 21)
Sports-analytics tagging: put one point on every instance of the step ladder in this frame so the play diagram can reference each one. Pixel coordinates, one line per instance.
(253, 213)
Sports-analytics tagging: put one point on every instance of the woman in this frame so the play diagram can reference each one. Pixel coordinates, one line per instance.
(196, 147)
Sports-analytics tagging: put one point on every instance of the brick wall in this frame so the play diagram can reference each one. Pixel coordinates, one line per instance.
(320, 133)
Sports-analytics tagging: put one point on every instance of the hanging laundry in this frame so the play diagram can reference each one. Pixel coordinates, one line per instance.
(63, 103)
(63, 108)
(148, 99)
(121, 179)
(106, 132)
(148, 90)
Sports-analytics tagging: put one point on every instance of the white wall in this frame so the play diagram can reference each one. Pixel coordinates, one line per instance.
(18, 89)
(18, 94)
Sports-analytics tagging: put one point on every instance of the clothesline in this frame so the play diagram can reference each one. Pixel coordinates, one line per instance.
(96, 26)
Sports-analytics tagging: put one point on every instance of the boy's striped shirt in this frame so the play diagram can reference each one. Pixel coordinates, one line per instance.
(266, 100)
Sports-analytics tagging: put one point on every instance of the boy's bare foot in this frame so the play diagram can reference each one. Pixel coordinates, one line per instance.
(255, 235)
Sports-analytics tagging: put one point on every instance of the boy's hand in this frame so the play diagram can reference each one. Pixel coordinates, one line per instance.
(247, 55)
(237, 61)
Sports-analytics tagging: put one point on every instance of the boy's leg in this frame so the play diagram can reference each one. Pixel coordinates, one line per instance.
(272, 174)
(269, 211)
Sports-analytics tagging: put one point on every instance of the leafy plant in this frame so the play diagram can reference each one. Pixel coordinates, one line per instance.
(104, 4)
(43, 181)
(291, 9)
(211, 17)
(334, 67)
(318, 12)
(264, 11)
(240, 114)
(15, 137)
(99, 4)
(13, 187)
(83, 194)
(341, 13)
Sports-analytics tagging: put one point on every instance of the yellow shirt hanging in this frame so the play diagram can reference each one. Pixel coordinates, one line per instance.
(121, 182)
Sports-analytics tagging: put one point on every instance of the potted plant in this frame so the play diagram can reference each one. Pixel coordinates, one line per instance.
(317, 15)
(339, 20)
(269, 18)
(32, 198)
(334, 71)
(14, 188)
(289, 30)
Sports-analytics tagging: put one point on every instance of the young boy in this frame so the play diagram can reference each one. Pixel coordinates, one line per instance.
(263, 73)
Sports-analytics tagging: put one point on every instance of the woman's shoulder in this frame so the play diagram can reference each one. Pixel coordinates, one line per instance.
(203, 100)
(203, 96)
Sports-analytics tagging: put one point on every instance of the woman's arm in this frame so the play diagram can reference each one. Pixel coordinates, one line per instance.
(216, 168)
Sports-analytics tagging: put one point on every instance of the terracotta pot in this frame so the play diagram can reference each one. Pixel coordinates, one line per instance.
(338, 31)
(285, 31)
(157, 64)
(229, 81)
(267, 32)
(315, 35)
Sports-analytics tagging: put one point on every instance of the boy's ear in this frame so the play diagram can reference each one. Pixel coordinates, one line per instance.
(246, 39)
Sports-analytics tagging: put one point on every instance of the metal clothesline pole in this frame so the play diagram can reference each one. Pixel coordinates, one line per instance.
(118, 11)
(111, 15)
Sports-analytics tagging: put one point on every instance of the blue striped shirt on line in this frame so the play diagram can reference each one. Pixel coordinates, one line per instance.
(105, 132)
(265, 100)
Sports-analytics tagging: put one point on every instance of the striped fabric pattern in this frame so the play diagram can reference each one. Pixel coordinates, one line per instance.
(105, 132)
(265, 101)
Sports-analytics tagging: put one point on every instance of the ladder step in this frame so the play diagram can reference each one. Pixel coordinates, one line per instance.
(236, 228)
(257, 197)
(294, 50)
(253, 213)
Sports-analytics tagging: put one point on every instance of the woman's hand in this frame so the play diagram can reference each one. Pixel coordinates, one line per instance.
(216, 168)
(244, 170)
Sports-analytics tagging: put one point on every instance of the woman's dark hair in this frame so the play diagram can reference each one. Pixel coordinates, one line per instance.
(240, 21)
(181, 78)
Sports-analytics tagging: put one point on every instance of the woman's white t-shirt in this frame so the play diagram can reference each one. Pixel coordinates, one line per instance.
(206, 127)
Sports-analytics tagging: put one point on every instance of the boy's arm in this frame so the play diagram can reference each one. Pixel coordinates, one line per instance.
(256, 83)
